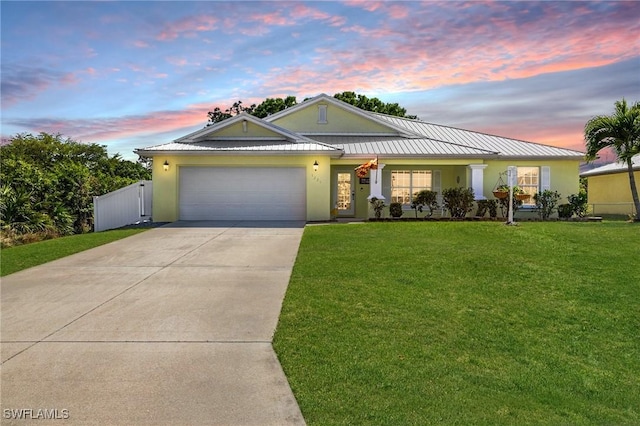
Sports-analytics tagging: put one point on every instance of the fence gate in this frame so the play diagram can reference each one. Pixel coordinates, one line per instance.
(125, 206)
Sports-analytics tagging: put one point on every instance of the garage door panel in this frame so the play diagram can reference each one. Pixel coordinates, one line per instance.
(232, 193)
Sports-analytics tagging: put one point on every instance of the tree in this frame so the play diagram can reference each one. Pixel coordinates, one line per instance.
(373, 104)
(48, 183)
(218, 115)
(621, 132)
(273, 105)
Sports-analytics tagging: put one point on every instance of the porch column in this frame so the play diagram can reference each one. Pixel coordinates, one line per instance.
(477, 180)
(375, 183)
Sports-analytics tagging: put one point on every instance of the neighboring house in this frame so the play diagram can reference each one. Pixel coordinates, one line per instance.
(299, 164)
(608, 186)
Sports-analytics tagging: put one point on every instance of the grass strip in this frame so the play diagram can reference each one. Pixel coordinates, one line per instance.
(17, 258)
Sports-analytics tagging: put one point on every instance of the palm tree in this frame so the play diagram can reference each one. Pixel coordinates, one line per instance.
(621, 132)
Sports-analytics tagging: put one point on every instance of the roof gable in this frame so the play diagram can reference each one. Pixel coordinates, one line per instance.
(338, 117)
(243, 127)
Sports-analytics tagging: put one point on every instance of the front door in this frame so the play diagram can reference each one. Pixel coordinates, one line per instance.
(345, 194)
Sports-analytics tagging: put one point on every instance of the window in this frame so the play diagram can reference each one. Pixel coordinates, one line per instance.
(405, 183)
(529, 181)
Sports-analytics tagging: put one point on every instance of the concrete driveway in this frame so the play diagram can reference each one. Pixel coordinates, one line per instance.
(170, 326)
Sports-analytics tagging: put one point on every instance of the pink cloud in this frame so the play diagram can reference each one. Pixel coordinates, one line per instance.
(141, 44)
(274, 18)
(69, 78)
(179, 62)
(368, 5)
(397, 11)
(188, 26)
(302, 11)
(105, 129)
(426, 56)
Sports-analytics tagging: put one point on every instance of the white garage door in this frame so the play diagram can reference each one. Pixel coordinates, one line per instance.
(234, 193)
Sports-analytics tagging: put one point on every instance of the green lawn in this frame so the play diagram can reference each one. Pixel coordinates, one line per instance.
(465, 323)
(17, 258)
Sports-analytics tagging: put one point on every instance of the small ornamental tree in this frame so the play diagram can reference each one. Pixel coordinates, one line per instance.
(425, 198)
(546, 202)
(459, 201)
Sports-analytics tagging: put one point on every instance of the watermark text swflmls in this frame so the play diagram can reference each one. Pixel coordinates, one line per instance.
(35, 414)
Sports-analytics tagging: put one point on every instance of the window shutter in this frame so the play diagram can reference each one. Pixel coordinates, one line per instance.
(545, 178)
(436, 185)
(386, 184)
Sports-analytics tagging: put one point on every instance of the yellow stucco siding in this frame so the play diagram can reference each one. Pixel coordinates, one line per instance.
(564, 175)
(166, 183)
(320, 191)
(237, 130)
(611, 193)
(305, 120)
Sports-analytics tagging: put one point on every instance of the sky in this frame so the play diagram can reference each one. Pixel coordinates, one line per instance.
(130, 74)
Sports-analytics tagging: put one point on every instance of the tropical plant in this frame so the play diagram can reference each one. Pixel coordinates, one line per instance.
(621, 132)
(49, 183)
(425, 198)
(546, 202)
(459, 201)
(378, 205)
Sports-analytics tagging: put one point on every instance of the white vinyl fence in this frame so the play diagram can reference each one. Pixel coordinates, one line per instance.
(126, 206)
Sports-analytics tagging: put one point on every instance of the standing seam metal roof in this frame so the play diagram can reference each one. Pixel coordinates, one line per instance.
(504, 146)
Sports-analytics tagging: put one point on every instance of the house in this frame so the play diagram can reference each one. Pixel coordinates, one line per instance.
(299, 164)
(609, 190)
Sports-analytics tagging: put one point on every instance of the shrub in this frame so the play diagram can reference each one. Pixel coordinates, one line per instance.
(578, 203)
(425, 198)
(487, 205)
(459, 201)
(565, 211)
(377, 205)
(395, 209)
(493, 208)
(546, 201)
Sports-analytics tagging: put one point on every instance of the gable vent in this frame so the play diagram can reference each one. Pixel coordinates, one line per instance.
(322, 114)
